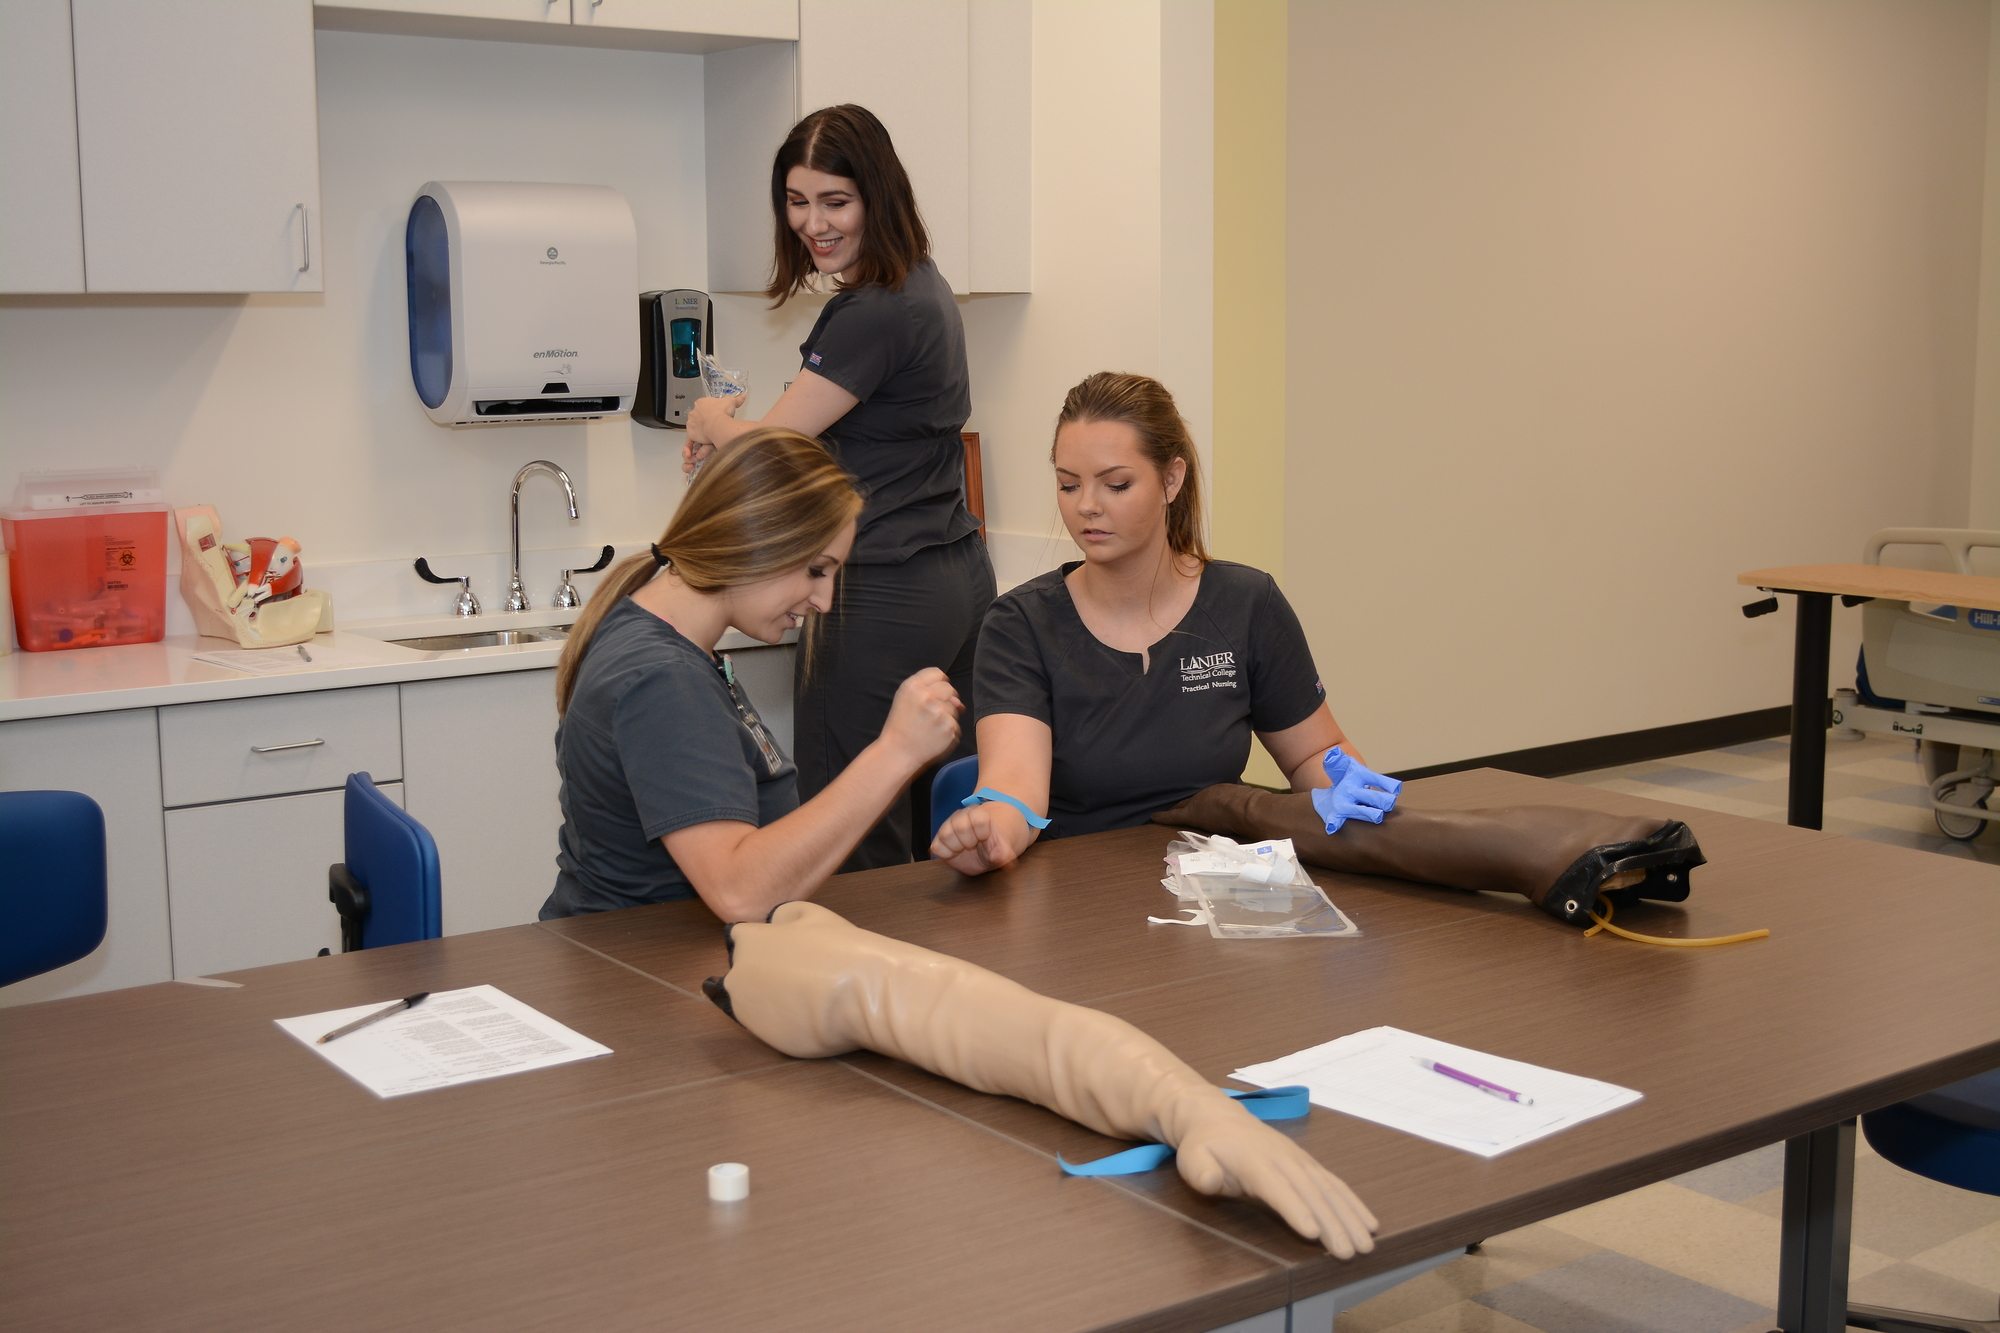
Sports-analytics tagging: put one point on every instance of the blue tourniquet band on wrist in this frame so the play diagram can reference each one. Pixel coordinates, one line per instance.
(1287, 1103)
(985, 794)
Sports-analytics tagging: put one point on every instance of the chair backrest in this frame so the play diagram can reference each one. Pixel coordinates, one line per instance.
(395, 859)
(950, 785)
(52, 881)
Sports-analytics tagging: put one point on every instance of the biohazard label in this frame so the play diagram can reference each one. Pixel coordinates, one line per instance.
(120, 555)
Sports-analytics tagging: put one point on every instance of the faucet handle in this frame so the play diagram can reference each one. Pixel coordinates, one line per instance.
(465, 604)
(566, 595)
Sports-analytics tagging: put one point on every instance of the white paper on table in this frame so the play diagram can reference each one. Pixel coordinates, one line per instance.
(454, 1036)
(1375, 1075)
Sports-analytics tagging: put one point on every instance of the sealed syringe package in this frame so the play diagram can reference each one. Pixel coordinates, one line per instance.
(1251, 891)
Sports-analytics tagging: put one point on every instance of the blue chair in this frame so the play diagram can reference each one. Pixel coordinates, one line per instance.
(1952, 1136)
(52, 881)
(949, 785)
(387, 889)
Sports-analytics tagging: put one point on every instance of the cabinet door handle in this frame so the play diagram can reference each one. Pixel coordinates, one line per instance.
(295, 745)
(306, 236)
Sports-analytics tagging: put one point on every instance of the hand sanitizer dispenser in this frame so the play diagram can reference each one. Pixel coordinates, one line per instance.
(520, 301)
(674, 327)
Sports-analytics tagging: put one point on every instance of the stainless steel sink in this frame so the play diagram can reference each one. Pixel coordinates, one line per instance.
(485, 638)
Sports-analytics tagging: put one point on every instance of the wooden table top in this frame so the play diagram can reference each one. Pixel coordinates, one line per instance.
(168, 1156)
(1903, 585)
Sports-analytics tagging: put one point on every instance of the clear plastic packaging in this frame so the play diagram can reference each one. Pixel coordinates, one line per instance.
(719, 381)
(1258, 891)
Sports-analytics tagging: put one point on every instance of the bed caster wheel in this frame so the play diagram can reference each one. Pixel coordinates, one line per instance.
(1963, 828)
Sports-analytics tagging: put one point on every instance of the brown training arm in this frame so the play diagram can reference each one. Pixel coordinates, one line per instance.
(811, 984)
(1561, 858)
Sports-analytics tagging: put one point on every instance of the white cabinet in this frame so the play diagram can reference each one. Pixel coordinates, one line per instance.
(951, 81)
(480, 774)
(907, 61)
(198, 139)
(254, 802)
(41, 213)
(648, 25)
(1000, 56)
(392, 15)
(114, 758)
(763, 20)
(158, 146)
(249, 880)
(239, 749)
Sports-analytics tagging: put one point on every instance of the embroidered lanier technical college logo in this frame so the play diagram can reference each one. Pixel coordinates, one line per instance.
(1213, 671)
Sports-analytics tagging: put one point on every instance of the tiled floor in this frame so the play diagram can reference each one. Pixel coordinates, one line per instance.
(1699, 1253)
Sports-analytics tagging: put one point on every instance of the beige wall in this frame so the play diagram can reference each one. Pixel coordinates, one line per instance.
(1250, 281)
(1986, 422)
(1591, 307)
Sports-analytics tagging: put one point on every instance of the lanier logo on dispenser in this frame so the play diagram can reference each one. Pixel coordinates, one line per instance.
(1212, 671)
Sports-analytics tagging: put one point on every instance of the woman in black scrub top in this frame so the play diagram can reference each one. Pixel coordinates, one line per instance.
(1127, 681)
(883, 381)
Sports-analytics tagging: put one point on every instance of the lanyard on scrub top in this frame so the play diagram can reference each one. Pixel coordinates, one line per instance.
(773, 761)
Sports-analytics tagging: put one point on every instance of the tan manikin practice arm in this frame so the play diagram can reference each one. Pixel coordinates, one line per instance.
(811, 984)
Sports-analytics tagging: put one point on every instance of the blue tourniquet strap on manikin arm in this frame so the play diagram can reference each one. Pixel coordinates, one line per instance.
(1289, 1103)
(1358, 792)
(985, 794)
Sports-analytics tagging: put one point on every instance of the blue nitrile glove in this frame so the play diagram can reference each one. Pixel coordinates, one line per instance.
(1358, 792)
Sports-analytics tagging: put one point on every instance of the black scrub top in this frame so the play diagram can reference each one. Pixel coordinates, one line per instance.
(1127, 741)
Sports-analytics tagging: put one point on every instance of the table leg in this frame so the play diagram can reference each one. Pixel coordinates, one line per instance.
(1819, 1209)
(1806, 796)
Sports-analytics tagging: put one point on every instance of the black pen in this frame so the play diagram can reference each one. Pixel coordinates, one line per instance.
(376, 1017)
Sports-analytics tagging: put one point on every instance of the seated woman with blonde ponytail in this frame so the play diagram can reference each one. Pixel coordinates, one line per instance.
(672, 787)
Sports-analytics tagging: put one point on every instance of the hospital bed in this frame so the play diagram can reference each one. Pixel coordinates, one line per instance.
(1931, 673)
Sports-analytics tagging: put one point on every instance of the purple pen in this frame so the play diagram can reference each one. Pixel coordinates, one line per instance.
(1506, 1094)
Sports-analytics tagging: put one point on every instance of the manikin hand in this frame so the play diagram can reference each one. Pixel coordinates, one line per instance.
(982, 837)
(1239, 1156)
(811, 984)
(1358, 792)
(923, 717)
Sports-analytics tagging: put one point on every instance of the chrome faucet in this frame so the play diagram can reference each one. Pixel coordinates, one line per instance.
(517, 596)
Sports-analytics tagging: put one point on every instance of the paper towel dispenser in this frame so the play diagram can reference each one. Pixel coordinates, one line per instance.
(520, 301)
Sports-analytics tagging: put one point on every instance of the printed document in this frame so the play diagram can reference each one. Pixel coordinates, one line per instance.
(1378, 1075)
(454, 1036)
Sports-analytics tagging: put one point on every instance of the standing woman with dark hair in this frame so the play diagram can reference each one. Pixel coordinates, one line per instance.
(883, 381)
(671, 786)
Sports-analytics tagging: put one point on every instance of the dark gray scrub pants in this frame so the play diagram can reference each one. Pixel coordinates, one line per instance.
(888, 622)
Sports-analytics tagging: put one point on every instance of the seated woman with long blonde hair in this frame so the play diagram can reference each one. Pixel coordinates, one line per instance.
(672, 787)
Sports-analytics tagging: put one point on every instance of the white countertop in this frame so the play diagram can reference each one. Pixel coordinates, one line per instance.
(148, 675)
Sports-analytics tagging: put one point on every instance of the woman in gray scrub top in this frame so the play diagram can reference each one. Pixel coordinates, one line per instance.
(1128, 680)
(882, 379)
(671, 786)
